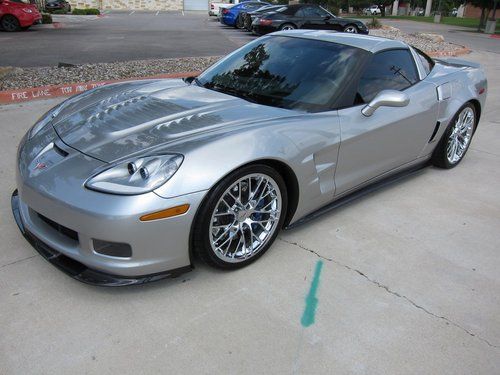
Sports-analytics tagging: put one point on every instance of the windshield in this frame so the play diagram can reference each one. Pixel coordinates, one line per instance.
(287, 72)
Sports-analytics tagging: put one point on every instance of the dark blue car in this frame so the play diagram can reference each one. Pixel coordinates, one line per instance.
(230, 15)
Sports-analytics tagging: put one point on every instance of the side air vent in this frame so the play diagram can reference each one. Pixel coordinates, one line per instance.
(60, 151)
(436, 128)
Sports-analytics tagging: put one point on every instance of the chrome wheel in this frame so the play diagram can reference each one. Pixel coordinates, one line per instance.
(351, 29)
(460, 135)
(245, 218)
(288, 27)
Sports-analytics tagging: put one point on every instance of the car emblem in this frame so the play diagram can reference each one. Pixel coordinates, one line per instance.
(40, 166)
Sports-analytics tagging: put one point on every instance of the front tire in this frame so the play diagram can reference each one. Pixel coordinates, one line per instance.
(241, 217)
(10, 23)
(456, 139)
(351, 29)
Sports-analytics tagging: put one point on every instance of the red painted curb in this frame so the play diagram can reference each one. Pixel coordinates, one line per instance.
(495, 36)
(48, 92)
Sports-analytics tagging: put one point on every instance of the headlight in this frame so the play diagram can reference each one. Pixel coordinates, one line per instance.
(27, 10)
(137, 176)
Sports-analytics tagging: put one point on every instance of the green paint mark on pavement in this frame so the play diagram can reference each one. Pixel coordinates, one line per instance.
(311, 300)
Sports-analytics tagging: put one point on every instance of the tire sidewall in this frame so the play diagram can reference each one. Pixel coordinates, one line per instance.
(355, 27)
(202, 240)
(287, 24)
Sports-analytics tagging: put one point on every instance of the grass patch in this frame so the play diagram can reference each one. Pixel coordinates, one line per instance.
(453, 21)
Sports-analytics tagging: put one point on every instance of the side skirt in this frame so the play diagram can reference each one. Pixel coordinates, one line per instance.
(371, 188)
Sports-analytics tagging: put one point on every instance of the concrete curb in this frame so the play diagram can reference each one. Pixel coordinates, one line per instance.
(69, 89)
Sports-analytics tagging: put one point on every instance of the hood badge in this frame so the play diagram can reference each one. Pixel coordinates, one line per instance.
(40, 166)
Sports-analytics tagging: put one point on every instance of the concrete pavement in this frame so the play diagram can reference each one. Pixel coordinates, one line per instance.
(409, 285)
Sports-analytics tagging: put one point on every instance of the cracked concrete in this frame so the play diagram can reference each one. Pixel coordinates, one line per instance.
(390, 291)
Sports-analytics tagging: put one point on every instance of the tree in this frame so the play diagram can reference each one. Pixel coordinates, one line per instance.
(486, 6)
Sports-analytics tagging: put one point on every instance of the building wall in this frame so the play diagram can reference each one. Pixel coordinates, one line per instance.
(129, 4)
(475, 12)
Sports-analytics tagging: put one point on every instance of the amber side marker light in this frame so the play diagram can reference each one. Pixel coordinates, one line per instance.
(163, 214)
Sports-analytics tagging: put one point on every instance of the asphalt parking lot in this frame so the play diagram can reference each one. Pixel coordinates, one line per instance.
(117, 36)
(409, 285)
(123, 36)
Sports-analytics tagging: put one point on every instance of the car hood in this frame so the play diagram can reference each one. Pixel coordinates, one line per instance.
(119, 120)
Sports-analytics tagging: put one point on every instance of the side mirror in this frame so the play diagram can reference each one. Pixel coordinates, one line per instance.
(326, 18)
(386, 98)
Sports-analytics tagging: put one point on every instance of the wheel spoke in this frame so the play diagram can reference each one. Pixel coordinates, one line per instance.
(240, 230)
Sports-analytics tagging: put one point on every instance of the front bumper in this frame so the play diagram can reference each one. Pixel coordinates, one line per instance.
(77, 270)
(160, 248)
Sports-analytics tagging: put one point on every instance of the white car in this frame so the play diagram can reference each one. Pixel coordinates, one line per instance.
(216, 7)
(374, 10)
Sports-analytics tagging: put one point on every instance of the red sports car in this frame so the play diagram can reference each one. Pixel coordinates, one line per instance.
(18, 15)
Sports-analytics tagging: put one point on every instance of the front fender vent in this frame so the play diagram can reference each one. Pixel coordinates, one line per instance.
(436, 129)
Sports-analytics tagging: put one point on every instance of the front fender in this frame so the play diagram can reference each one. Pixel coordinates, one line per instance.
(308, 146)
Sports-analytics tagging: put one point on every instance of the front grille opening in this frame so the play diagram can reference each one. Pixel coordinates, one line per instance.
(70, 233)
(113, 249)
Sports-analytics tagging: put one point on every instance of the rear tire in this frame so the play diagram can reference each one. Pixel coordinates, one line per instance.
(240, 217)
(287, 26)
(456, 139)
(239, 22)
(10, 23)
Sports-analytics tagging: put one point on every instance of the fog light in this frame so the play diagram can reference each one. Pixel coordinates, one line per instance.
(113, 249)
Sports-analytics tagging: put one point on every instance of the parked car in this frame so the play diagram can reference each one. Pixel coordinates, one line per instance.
(248, 17)
(230, 16)
(122, 184)
(18, 15)
(373, 10)
(213, 9)
(60, 5)
(305, 16)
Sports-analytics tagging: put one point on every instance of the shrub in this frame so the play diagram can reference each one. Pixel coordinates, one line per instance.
(86, 12)
(58, 11)
(374, 24)
(46, 18)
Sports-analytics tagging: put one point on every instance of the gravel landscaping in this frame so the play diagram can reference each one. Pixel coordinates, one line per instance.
(429, 43)
(19, 78)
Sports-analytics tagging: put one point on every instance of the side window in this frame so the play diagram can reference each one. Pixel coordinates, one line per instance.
(426, 61)
(300, 13)
(311, 12)
(388, 70)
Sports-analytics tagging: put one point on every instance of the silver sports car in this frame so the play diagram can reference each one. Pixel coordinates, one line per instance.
(126, 183)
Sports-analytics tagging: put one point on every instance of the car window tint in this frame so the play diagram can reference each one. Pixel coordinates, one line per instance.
(292, 73)
(312, 12)
(300, 13)
(388, 70)
(426, 61)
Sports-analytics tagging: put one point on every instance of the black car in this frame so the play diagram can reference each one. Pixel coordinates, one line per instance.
(53, 5)
(248, 17)
(305, 16)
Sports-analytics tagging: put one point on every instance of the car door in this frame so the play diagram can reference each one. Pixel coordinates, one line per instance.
(391, 137)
